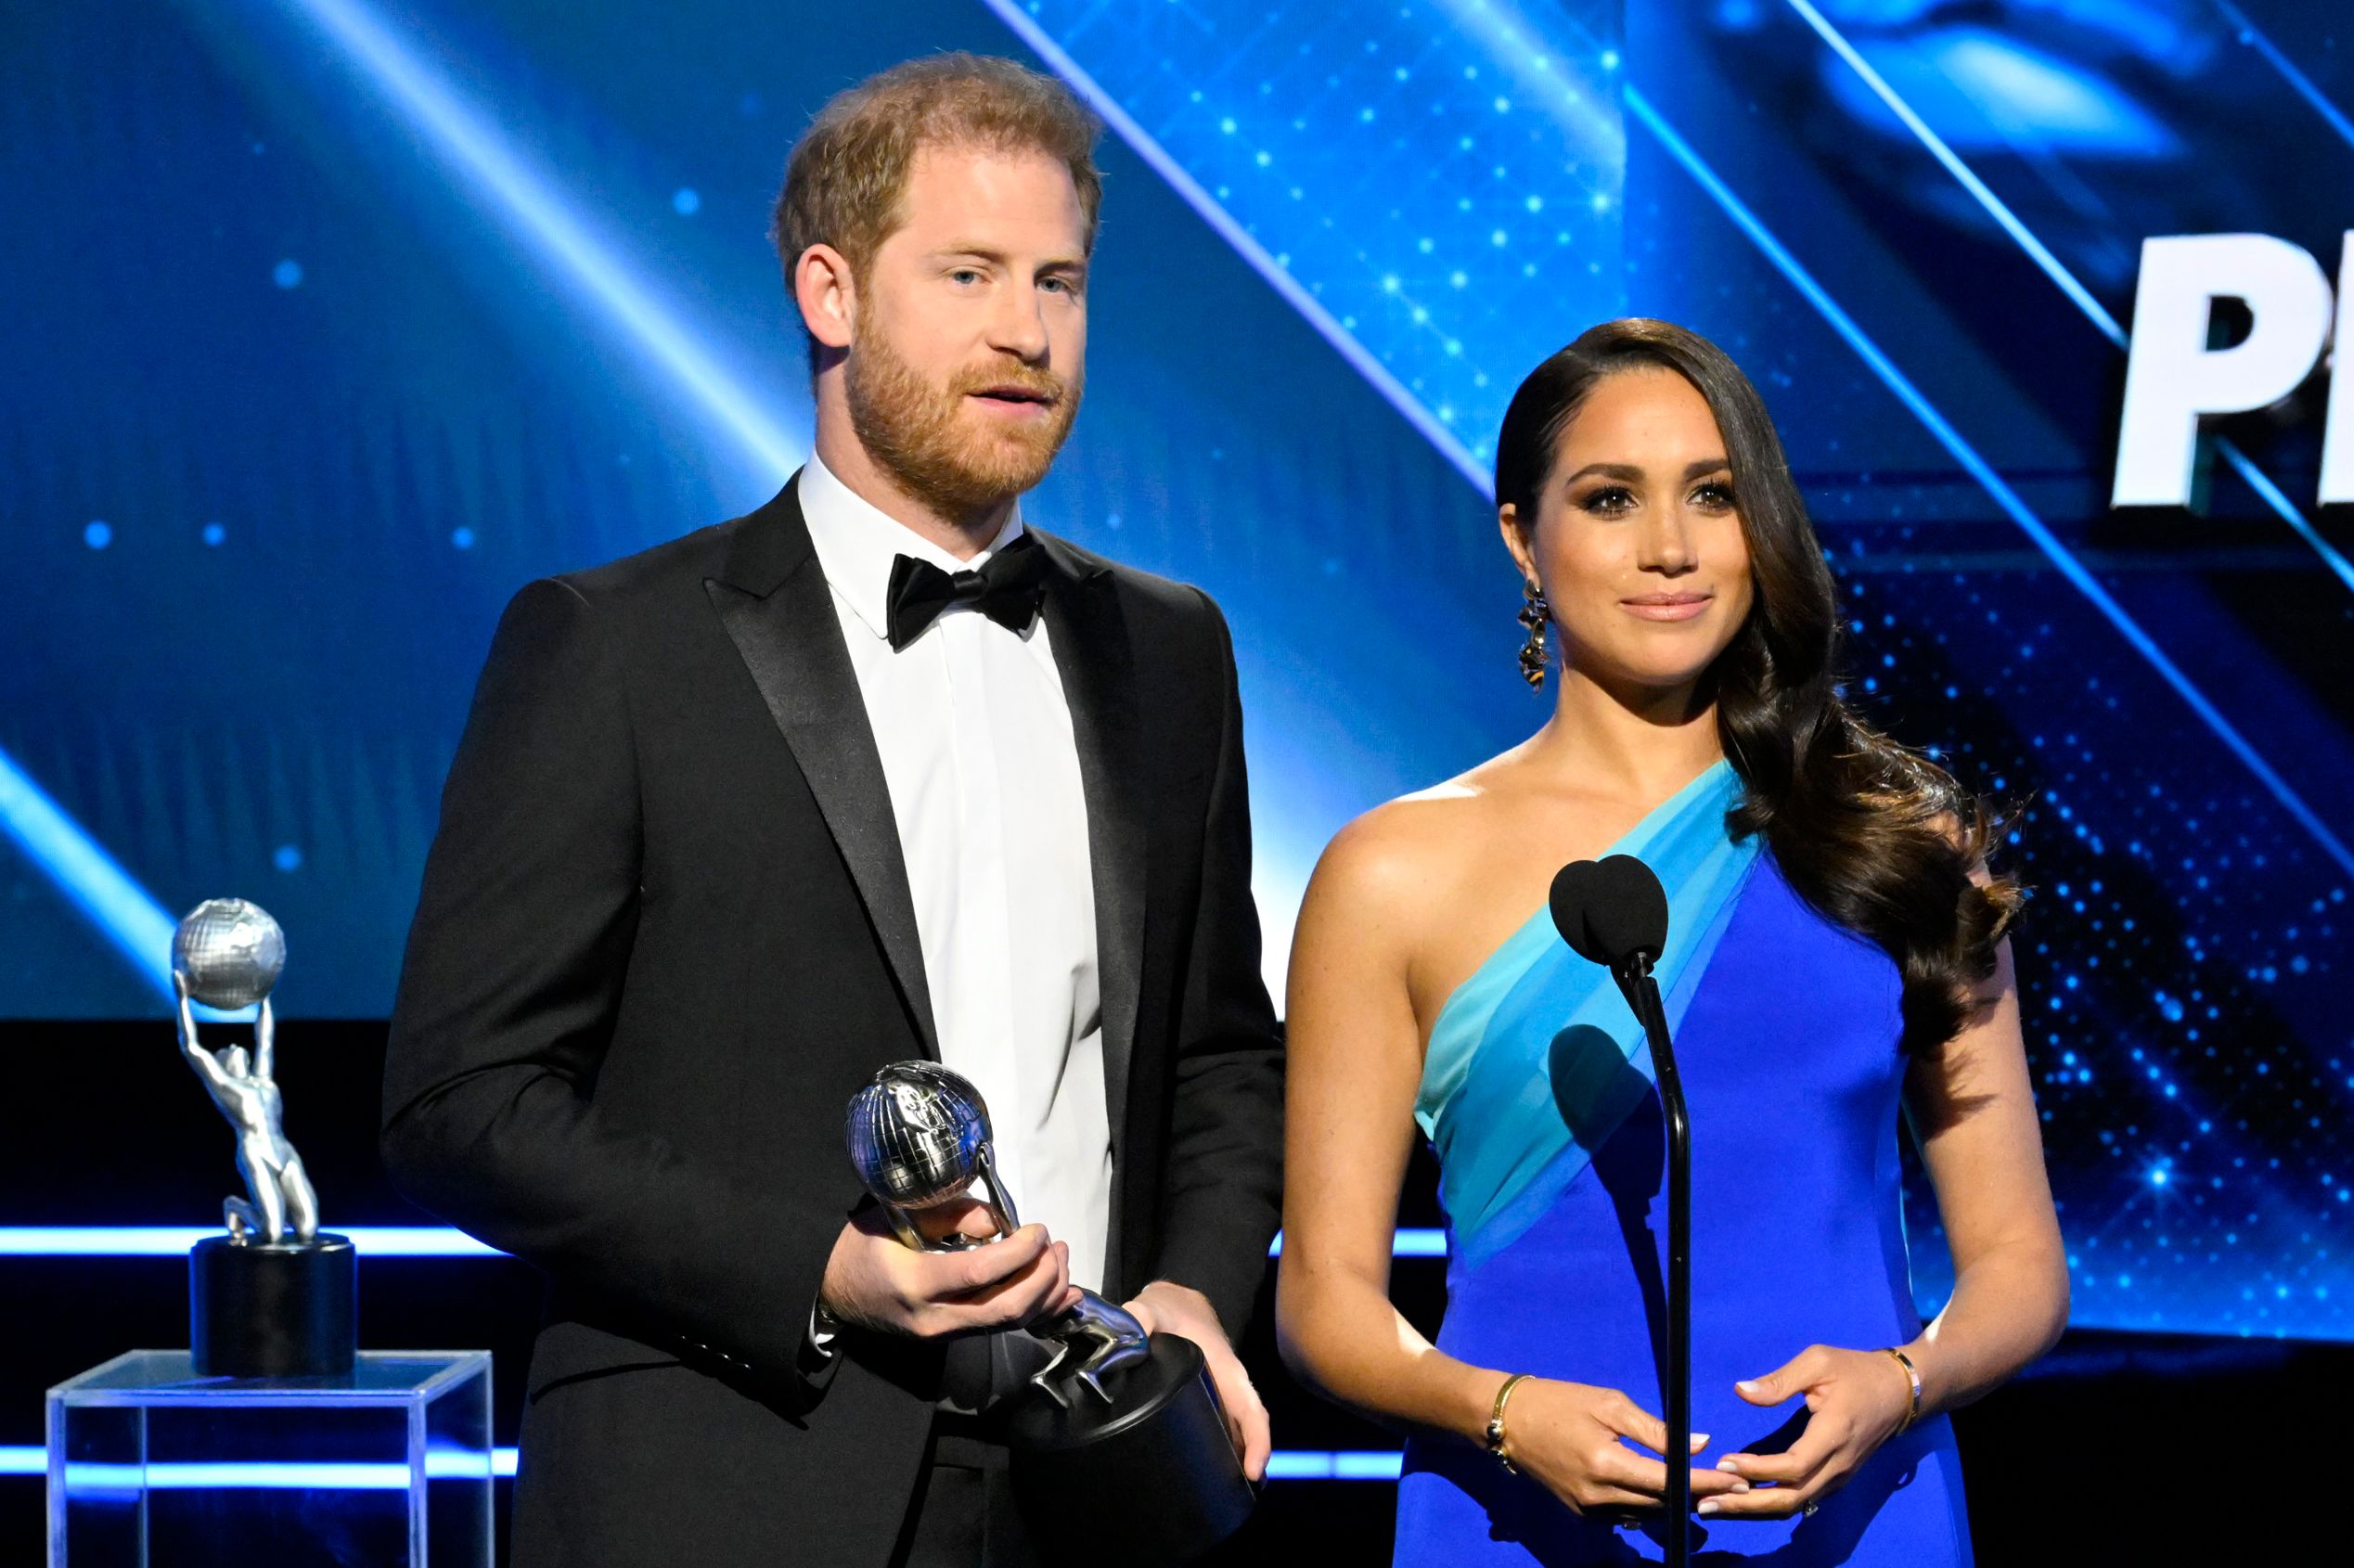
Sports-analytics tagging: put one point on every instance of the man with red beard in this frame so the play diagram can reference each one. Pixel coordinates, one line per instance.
(877, 772)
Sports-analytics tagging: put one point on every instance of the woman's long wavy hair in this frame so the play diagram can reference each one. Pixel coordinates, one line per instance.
(1874, 835)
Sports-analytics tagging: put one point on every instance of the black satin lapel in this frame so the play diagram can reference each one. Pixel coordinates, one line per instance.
(790, 640)
(1090, 641)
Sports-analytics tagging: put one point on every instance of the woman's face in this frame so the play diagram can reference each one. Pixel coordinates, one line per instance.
(1637, 541)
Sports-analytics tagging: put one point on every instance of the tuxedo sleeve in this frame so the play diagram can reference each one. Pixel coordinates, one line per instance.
(508, 999)
(1223, 1189)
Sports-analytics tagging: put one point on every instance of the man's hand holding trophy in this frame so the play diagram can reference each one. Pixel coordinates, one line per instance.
(1122, 1452)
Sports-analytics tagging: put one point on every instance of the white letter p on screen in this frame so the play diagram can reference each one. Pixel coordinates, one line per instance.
(2173, 377)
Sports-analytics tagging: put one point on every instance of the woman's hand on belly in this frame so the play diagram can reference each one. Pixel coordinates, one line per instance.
(1856, 1401)
(1566, 1434)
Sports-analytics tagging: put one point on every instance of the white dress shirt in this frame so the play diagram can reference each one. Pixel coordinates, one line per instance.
(984, 774)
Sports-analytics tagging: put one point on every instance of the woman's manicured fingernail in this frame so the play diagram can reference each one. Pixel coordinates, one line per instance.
(1700, 1440)
(1708, 1506)
(1729, 1467)
(1739, 1486)
(1749, 1386)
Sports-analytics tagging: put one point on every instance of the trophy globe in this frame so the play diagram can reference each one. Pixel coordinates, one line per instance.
(231, 951)
(919, 1136)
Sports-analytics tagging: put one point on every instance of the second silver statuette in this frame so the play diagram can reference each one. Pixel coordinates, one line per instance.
(1120, 1451)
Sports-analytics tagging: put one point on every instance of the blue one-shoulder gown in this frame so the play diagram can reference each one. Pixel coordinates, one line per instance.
(1538, 1095)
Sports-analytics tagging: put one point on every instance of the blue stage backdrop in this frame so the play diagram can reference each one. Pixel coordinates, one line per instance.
(333, 321)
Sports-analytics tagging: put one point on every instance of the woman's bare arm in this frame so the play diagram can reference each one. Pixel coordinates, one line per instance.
(1356, 1064)
(1974, 1110)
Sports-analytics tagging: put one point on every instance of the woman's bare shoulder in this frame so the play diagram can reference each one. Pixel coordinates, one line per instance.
(1410, 847)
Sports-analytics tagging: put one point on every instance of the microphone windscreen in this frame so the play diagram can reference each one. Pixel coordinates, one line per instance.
(1573, 890)
(1610, 909)
(1629, 913)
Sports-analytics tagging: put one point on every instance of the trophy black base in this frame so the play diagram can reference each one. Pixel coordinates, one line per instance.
(1151, 1478)
(273, 1309)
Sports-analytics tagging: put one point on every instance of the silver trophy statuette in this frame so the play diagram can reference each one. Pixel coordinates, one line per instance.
(228, 954)
(919, 1135)
(1140, 1469)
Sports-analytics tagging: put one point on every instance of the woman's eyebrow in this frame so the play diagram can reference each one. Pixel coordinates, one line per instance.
(1692, 469)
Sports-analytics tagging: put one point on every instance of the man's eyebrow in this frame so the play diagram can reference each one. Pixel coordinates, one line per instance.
(989, 254)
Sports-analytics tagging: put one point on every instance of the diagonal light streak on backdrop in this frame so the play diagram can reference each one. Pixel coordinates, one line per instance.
(1245, 244)
(2298, 81)
(1984, 472)
(98, 885)
(1571, 104)
(108, 896)
(533, 209)
(2057, 271)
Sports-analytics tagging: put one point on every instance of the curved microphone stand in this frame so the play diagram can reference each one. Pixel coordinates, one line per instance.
(1613, 912)
(1643, 994)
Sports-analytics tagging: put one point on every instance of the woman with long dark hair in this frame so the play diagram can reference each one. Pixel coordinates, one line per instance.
(1835, 955)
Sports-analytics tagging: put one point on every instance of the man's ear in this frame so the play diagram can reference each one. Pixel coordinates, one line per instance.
(826, 293)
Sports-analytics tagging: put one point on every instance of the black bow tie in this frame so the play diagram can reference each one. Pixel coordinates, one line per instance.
(1008, 590)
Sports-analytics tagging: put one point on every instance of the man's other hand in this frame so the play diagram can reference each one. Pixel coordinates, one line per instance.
(874, 1280)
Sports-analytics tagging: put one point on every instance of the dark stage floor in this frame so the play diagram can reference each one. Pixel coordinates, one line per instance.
(2116, 1450)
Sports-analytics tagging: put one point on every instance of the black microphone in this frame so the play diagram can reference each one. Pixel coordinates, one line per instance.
(1613, 912)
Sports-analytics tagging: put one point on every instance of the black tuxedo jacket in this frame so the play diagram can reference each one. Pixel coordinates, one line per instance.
(666, 930)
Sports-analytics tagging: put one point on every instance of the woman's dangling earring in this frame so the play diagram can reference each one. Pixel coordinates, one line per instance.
(1535, 615)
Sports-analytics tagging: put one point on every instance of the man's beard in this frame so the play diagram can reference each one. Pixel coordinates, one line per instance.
(911, 427)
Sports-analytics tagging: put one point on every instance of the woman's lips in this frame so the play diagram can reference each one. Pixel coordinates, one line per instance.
(1666, 607)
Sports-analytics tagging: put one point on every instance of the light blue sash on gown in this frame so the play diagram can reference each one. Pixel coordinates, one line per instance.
(1536, 1059)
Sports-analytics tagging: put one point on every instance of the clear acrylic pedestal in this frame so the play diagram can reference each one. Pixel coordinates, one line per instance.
(389, 1464)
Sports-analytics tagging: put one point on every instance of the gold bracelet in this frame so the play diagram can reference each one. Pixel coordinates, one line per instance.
(1496, 1444)
(1913, 1374)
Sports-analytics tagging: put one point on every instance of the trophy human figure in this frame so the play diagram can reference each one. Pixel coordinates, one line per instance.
(273, 1297)
(282, 1199)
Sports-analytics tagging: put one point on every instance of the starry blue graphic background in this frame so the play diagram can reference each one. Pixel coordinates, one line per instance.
(292, 403)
